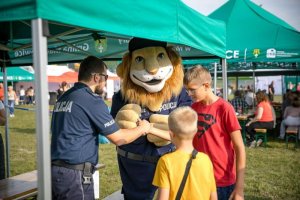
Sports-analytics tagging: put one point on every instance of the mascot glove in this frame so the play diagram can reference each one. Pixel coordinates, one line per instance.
(158, 122)
(128, 116)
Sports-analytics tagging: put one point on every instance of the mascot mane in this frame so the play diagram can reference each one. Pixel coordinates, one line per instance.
(136, 94)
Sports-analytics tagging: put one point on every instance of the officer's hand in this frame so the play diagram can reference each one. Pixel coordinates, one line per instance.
(145, 125)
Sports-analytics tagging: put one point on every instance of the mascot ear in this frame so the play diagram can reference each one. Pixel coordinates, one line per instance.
(122, 67)
(174, 56)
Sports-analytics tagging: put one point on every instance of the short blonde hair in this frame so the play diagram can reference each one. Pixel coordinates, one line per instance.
(183, 122)
(197, 72)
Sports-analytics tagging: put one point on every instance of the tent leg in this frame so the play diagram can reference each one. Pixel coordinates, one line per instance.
(215, 78)
(7, 139)
(224, 75)
(40, 60)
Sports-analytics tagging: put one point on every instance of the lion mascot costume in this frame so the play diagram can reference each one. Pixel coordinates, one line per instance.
(152, 87)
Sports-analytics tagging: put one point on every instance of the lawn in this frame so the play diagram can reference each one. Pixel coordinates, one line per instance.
(272, 172)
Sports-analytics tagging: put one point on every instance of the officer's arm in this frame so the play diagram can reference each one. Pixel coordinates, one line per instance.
(125, 136)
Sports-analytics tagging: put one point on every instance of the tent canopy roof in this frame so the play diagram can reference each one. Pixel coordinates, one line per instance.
(254, 34)
(18, 74)
(73, 24)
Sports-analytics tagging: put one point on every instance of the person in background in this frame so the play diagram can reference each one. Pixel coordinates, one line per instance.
(220, 93)
(264, 118)
(271, 91)
(2, 157)
(239, 104)
(62, 89)
(298, 87)
(218, 135)
(2, 92)
(287, 100)
(291, 116)
(250, 97)
(12, 97)
(170, 169)
(78, 117)
(30, 95)
(290, 86)
(22, 95)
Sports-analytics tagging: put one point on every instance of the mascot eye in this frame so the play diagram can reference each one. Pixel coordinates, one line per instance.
(161, 56)
(139, 59)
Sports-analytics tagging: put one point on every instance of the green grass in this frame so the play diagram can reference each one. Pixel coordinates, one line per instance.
(272, 172)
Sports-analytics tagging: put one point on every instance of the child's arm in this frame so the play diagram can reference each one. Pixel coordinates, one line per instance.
(213, 196)
(238, 192)
(163, 194)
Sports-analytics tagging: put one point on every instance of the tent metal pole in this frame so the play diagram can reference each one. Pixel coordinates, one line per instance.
(7, 139)
(254, 88)
(215, 78)
(40, 60)
(224, 75)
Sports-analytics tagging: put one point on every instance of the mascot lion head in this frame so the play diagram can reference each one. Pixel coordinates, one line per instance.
(151, 73)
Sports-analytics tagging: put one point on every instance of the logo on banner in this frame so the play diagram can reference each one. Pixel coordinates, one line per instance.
(271, 53)
(101, 45)
(256, 52)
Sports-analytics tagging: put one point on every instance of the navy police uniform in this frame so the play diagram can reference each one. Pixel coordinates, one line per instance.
(137, 160)
(78, 116)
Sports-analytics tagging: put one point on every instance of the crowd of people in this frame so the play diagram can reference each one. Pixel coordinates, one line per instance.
(21, 97)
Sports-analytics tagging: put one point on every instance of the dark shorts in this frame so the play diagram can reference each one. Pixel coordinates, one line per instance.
(225, 192)
(67, 184)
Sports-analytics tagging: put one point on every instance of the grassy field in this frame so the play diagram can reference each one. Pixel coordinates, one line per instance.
(272, 172)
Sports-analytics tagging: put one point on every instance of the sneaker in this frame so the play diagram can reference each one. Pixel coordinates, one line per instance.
(259, 142)
(252, 144)
(281, 138)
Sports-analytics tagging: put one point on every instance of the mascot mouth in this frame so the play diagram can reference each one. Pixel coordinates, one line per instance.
(152, 82)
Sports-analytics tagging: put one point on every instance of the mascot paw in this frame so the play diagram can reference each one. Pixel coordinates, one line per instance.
(128, 116)
(159, 122)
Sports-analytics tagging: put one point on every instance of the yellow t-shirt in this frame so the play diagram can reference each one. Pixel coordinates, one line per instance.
(200, 182)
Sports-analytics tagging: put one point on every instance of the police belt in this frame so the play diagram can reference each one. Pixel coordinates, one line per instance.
(61, 163)
(138, 157)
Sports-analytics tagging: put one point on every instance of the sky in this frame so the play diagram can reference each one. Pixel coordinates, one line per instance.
(287, 10)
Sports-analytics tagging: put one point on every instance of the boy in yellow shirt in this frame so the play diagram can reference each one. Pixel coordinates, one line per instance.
(200, 183)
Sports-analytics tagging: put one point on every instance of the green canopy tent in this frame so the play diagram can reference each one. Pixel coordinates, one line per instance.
(255, 35)
(16, 74)
(50, 21)
(107, 22)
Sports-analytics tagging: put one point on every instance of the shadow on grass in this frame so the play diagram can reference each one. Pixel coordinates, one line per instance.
(23, 130)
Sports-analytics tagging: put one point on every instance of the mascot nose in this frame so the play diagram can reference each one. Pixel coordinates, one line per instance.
(152, 71)
(152, 66)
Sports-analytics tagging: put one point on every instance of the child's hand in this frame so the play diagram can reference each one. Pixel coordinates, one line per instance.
(145, 125)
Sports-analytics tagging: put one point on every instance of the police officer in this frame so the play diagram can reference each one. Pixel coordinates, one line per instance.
(78, 116)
